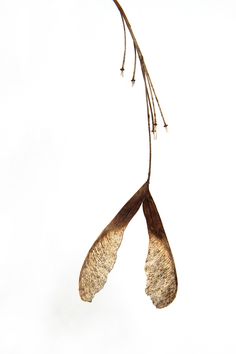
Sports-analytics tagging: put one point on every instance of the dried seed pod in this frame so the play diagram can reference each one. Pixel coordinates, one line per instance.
(160, 266)
(102, 255)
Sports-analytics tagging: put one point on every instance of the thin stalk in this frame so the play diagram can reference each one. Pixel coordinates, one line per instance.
(149, 139)
(158, 103)
(154, 118)
(135, 62)
(124, 55)
(149, 115)
(149, 88)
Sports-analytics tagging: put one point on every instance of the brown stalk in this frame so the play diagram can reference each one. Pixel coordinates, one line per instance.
(135, 62)
(124, 55)
(149, 88)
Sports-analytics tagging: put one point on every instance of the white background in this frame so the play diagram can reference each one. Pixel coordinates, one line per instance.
(73, 149)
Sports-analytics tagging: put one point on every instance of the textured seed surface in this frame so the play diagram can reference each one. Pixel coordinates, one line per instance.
(160, 267)
(99, 263)
(102, 255)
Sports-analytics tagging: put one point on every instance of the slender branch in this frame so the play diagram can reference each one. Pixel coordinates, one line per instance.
(149, 113)
(135, 62)
(154, 118)
(150, 93)
(124, 55)
(149, 138)
(158, 103)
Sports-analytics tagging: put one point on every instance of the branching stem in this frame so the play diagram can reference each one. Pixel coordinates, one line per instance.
(151, 96)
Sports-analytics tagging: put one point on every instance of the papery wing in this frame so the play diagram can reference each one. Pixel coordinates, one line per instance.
(102, 255)
(160, 266)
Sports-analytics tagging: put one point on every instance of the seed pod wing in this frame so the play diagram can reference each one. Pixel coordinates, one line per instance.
(160, 266)
(102, 255)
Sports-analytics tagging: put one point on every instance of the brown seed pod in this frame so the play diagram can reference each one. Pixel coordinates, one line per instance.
(160, 266)
(103, 253)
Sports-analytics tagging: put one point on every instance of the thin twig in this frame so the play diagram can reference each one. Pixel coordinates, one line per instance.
(150, 93)
(154, 118)
(158, 103)
(124, 55)
(149, 140)
(149, 117)
(135, 62)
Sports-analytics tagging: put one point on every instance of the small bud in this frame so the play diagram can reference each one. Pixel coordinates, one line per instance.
(122, 71)
(154, 131)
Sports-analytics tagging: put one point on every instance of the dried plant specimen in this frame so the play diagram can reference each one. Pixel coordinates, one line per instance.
(160, 267)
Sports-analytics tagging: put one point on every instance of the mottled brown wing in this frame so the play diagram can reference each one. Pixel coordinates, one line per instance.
(160, 267)
(102, 255)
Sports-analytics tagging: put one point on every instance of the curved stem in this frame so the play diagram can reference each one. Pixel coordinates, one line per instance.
(150, 141)
(124, 55)
(149, 88)
(149, 111)
(135, 61)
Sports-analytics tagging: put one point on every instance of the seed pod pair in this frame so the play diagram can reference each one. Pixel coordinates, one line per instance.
(160, 267)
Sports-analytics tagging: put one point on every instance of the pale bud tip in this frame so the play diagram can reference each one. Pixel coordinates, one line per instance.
(122, 71)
